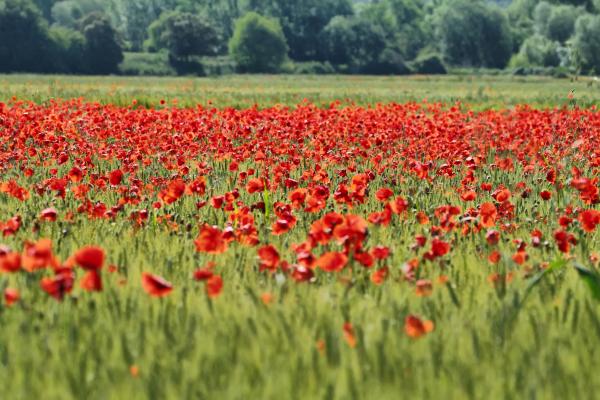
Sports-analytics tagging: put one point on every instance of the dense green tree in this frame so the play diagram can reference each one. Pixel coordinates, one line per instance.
(430, 63)
(67, 13)
(24, 41)
(586, 43)
(302, 21)
(354, 42)
(69, 50)
(133, 17)
(409, 33)
(103, 52)
(520, 16)
(473, 33)
(45, 6)
(258, 44)
(537, 50)
(561, 23)
(183, 34)
(541, 15)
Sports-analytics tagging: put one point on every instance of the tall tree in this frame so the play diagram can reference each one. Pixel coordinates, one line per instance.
(102, 49)
(258, 44)
(487, 41)
(24, 41)
(302, 21)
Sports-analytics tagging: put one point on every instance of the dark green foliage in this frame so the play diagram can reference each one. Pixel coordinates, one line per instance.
(68, 13)
(537, 50)
(146, 64)
(45, 7)
(586, 43)
(24, 42)
(302, 21)
(258, 44)
(313, 68)
(389, 62)
(561, 23)
(133, 17)
(474, 34)
(348, 36)
(183, 35)
(354, 42)
(103, 52)
(429, 64)
(69, 50)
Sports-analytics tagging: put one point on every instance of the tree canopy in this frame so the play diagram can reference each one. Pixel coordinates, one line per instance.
(347, 36)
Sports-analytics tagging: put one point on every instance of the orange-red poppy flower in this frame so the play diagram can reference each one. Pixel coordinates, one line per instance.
(416, 327)
(156, 285)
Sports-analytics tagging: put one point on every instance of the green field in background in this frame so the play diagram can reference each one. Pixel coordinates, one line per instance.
(478, 92)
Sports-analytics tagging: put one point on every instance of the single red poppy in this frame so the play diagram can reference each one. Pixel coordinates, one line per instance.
(332, 261)
(156, 285)
(214, 285)
(416, 327)
(90, 257)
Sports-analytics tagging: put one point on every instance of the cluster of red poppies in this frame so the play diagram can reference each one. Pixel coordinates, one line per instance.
(340, 171)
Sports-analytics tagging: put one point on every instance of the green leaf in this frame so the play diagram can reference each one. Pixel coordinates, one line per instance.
(591, 279)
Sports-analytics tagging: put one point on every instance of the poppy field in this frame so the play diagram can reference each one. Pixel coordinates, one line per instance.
(299, 251)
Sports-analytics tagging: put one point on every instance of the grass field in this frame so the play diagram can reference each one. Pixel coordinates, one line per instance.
(399, 251)
(240, 91)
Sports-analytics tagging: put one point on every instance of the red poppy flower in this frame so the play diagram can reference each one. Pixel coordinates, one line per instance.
(202, 274)
(488, 214)
(399, 205)
(501, 195)
(11, 296)
(300, 273)
(156, 285)
(90, 257)
(60, 284)
(214, 285)
(10, 261)
(349, 335)
(269, 257)
(332, 261)
(49, 214)
(492, 237)
(91, 281)
(423, 287)
(384, 194)
(439, 248)
(422, 218)
(211, 240)
(494, 257)
(589, 219)
(38, 255)
(364, 258)
(115, 177)
(255, 185)
(379, 276)
(173, 192)
(468, 195)
(416, 327)
(564, 240)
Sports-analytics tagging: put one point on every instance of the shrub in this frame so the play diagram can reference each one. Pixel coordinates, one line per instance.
(474, 34)
(146, 64)
(313, 68)
(537, 51)
(430, 64)
(586, 43)
(258, 44)
(102, 49)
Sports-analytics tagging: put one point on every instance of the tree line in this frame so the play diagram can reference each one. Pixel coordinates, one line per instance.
(318, 36)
